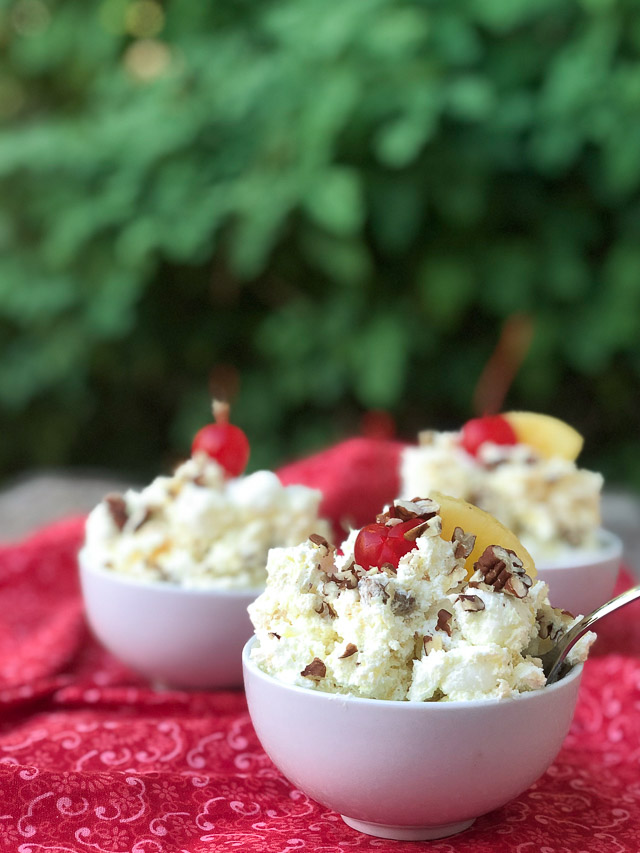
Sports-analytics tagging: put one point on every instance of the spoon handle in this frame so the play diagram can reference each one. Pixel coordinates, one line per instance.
(572, 636)
(625, 597)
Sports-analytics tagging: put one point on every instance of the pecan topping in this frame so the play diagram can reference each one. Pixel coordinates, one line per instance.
(346, 579)
(326, 609)
(319, 540)
(117, 509)
(418, 530)
(546, 630)
(444, 621)
(162, 573)
(273, 634)
(426, 506)
(518, 585)
(571, 537)
(436, 696)
(405, 510)
(463, 542)
(402, 603)
(471, 603)
(371, 589)
(502, 569)
(350, 650)
(426, 642)
(426, 437)
(315, 669)
(402, 510)
(388, 518)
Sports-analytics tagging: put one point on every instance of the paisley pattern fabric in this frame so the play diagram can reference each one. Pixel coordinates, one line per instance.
(92, 759)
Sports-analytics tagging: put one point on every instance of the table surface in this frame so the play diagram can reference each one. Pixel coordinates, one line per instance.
(92, 758)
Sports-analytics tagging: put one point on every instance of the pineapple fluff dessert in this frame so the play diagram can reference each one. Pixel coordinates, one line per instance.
(520, 467)
(199, 527)
(436, 601)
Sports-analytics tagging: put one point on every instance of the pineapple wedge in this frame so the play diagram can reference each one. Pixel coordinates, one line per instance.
(456, 512)
(549, 436)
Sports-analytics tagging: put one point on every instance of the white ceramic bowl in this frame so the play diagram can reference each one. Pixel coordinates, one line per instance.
(581, 581)
(408, 770)
(175, 637)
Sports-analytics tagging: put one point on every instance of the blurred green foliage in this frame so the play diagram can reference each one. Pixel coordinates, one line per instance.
(342, 201)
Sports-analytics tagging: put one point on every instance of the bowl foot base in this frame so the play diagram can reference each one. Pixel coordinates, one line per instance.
(407, 833)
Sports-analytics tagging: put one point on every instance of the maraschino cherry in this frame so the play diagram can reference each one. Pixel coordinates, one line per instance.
(493, 428)
(378, 544)
(223, 441)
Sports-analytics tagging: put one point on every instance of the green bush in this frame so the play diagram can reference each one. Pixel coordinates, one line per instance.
(342, 201)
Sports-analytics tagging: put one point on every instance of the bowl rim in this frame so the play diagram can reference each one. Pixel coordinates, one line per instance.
(608, 546)
(120, 579)
(320, 696)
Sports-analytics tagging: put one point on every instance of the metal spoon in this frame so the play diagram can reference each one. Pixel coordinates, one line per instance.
(553, 664)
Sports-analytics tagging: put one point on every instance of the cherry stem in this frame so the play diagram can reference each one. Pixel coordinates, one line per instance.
(220, 411)
(499, 372)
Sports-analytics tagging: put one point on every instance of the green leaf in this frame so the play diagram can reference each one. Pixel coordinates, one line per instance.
(336, 202)
(379, 357)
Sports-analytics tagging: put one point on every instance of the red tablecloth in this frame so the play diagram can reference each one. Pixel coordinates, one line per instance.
(91, 759)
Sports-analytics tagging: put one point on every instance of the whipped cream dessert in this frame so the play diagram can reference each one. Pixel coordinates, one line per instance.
(424, 629)
(550, 504)
(198, 529)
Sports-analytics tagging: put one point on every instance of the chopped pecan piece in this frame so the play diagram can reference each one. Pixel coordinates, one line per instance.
(161, 572)
(346, 579)
(571, 537)
(319, 540)
(436, 696)
(502, 569)
(350, 650)
(315, 669)
(426, 642)
(426, 437)
(326, 609)
(273, 634)
(402, 603)
(402, 510)
(471, 603)
(444, 621)
(406, 510)
(371, 589)
(426, 506)
(546, 630)
(518, 585)
(117, 509)
(463, 542)
(412, 534)
(389, 517)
